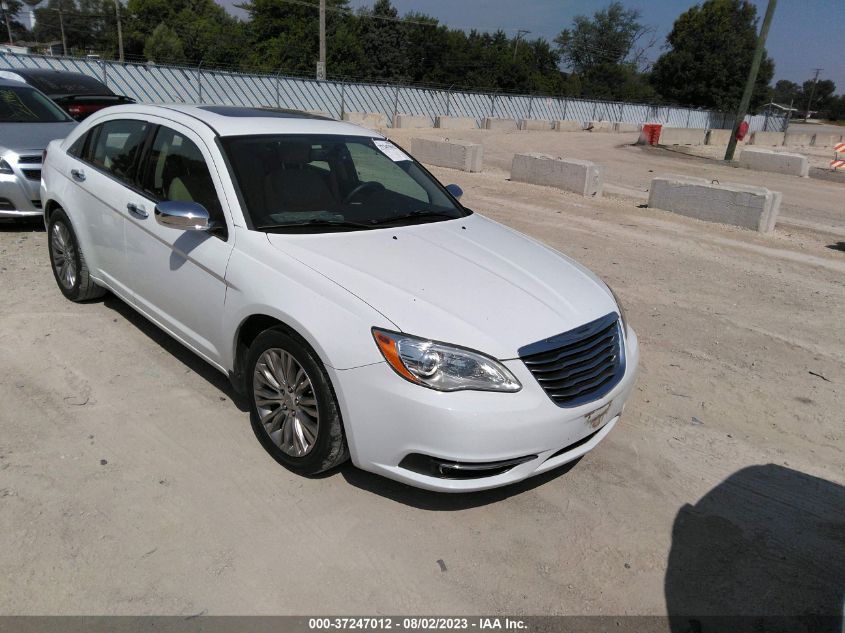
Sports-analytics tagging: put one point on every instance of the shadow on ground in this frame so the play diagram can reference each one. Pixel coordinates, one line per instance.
(179, 351)
(839, 246)
(21, 226)
(768, 544)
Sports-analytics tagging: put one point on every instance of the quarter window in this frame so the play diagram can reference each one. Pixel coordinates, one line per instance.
(117, 146)
(177, 171)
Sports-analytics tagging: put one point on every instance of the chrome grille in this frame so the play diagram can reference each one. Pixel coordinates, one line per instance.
(29, 160)
(32, 174)
(581, 365)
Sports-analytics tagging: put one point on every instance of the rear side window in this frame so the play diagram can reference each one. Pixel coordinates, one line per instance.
(177, 171)
(117, 146)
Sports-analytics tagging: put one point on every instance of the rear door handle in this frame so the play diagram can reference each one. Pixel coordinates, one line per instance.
(78, 175)
(137, 210)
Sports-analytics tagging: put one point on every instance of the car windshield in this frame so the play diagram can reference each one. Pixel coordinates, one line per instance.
(310, 183)
(21, 104)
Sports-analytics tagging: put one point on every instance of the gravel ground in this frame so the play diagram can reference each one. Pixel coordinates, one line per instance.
(131, 483)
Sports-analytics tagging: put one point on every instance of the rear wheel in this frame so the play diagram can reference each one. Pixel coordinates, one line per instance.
(68, 262)
(293, 409)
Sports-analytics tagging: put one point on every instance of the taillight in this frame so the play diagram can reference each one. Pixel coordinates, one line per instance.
(78, 110)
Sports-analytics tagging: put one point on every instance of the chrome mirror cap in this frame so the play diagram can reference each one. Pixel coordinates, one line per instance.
(185, 216)
(455, 190)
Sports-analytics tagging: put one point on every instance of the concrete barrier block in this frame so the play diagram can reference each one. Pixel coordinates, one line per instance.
(681, 136)
(797, 139)
(371, 120)
(535, 124)
(628, 127)
(455, 122)
(454, 154)
(827, 140)
(773, 139)
(493, 123)
(567, 126)
(580, 176)
(599, 126)
(411, 121)
(777, 162)
(718, 137)
(750, 207)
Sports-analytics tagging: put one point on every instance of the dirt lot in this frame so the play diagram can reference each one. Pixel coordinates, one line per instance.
(131, 483)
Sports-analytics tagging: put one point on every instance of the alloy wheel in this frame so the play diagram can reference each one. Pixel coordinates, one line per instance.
(286, 402)
(64, 255)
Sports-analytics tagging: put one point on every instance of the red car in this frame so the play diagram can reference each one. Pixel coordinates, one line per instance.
(77, 94)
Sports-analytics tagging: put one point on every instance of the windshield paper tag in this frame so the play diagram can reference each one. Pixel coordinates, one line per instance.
(391, 151)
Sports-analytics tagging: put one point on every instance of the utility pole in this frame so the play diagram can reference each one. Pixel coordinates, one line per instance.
(62, 27)
(752, 77)
(519, 33)
(321, 65)
(119, 30)
(812, 93)
(5, 8)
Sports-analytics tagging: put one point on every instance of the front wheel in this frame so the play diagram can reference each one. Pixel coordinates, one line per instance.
(68, 262)
(293, 409)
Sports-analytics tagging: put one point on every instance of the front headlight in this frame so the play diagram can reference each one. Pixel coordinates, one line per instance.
(443, 367)
(622, 316)
(5, 168)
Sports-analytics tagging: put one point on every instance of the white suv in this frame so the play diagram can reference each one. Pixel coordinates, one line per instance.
(362, 310)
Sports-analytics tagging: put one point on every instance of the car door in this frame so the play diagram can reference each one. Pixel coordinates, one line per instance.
(178, 276)
(103, 165)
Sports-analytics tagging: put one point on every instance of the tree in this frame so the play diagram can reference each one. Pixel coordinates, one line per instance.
(609, 37)
(822, 94)
(164, 46)
(710, 50)
(786, 92)
(604, 51)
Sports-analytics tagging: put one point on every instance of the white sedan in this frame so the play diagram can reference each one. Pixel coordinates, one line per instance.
(362, 310)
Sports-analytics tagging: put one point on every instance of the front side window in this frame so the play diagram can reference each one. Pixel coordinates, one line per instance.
(22, 104)
(317, 183)
(177, 171)
(117, 145)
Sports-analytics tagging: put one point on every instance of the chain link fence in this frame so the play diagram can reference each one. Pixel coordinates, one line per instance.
(149, 83)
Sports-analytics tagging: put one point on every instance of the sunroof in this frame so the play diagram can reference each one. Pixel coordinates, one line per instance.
(278, 113)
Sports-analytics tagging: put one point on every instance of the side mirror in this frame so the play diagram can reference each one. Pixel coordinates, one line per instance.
(455, 190)
(185, 216)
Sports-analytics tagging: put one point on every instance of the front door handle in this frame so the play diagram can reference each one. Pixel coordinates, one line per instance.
(78, 175)
(137, 210)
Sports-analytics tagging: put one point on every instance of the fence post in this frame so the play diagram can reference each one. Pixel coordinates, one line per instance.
(595, 107)
(199, 83)
(105, 73)
(449, 101)
(530, 106)
(621, 110)
(278, 90)
(395, 107)
(565, 106)
(689, 114)
(492, 105)
(342, 99)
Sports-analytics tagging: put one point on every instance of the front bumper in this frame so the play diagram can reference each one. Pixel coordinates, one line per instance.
(388, 419)
(20, 196)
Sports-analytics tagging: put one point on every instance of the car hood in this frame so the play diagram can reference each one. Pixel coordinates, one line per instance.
(19, 137)
(471, 281)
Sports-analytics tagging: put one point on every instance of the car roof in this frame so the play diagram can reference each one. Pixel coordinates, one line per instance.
(54, 82)
(244, 121)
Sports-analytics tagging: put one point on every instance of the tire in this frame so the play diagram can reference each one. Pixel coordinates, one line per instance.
(67, 261)
(296, 419)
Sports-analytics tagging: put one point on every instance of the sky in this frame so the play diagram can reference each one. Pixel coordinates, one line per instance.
(804, 35)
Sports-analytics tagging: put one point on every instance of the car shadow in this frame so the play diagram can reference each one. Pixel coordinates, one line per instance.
(839, 246)
(444, 501)
(763, 551)
(8, 225)
(177, 350)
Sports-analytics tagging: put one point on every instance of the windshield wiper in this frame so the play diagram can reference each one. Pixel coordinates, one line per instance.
(318, 223)
(414, 215)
